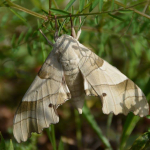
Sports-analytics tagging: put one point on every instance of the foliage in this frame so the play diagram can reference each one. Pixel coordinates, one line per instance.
(142, 143)
(118, 31)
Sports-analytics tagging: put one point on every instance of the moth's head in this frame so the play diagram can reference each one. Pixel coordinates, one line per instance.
(64, 41)
(64, 37)
(65, 47)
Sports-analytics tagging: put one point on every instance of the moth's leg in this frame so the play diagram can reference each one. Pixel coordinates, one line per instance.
(73, 33)
(79, 32)
(56, 30)
(49, 42)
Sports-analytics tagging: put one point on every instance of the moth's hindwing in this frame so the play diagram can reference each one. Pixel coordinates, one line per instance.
(118, 93)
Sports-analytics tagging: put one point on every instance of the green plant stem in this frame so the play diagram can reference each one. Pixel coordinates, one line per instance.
(11, 147)
(131, 122)
(51, 136)
(129, 125)
(90, 119)
(56, 6)
(78, 128)
(13, 5)
(109, 120)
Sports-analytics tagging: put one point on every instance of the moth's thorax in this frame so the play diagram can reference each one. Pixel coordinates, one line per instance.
(65, 49)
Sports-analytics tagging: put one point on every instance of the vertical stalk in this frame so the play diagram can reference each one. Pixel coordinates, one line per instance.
(51, 135)
(78, 128)
(90, 119)
(50, 4)
(109, 120)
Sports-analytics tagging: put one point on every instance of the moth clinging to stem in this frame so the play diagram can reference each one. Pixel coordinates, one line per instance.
(72, 71)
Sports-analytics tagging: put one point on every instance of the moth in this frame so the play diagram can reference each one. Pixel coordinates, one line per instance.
(72, 71)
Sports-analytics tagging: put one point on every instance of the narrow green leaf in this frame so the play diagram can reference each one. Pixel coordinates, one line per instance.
(51, 134)
(29, 49)
(3, 4)
(148, 117)
(59, 12)
(78, 128)
(2, 142)
(87, 1)
(109, 121)
(61, 26)
(72, 10)
(28, 34)
(112, 5)
(43, 51)
(125, 11)
(69, 4)
(96, 20)
(13, 40)
(90, 119)
(116, 17)
(143, 26)
(75, 20)
(100, 5)
(125, 2)
(81, 5)
(52, 26)
(101, 49)
(82, 22)
(61, 145)
(34, 45)
(129, 125)
(93, 5)
(11, 147)
(142, 142)
(19, 16)
(20, 38)
(44, 11)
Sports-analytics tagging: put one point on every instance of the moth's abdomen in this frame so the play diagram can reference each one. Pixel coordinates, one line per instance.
(75, 83)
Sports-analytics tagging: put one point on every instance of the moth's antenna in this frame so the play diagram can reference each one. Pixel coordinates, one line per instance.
(49, 42)
(56, 30)
(79, 32)
(73, 33)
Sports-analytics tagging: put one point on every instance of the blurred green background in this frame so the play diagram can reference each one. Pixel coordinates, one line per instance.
(120, 36)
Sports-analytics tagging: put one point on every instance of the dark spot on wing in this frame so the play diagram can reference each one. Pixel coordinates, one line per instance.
(50, 105)
(104, 94)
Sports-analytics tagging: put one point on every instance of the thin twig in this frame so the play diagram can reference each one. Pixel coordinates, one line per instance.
(128, 25)
(48, 41)
(98, 13)
(136, 11)
(50, 4)
(56, 6)
(13, 5)
(144, 10)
